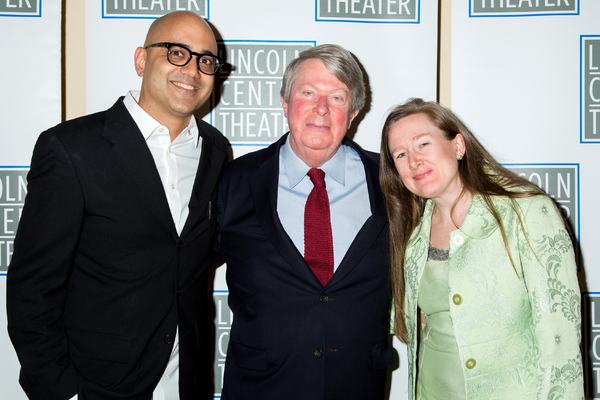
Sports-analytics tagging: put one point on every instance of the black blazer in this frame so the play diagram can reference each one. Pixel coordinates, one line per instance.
(100, 279)
(291, 338)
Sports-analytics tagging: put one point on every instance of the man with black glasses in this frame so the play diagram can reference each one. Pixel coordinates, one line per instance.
(107, 289)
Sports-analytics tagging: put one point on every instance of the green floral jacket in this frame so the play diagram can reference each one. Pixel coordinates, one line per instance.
(518, 336)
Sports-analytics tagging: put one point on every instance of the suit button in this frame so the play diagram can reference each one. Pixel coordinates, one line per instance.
(470, 363)
(168, 339)
(318, 352)
(324, 298)
(180, 245)
(179, 291)
(457, 299)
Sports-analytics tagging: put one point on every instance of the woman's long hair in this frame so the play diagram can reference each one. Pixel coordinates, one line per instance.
(478, 172)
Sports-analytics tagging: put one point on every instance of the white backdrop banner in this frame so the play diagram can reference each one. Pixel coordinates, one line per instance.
(30, 102)
(526, 80)
(395, 42)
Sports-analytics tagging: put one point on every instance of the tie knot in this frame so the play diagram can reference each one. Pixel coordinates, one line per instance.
(317, 177)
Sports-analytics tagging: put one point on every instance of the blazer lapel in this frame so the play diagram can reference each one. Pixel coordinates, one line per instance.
(133, 161)
(370, 231)
(209, 167)
(263, 189)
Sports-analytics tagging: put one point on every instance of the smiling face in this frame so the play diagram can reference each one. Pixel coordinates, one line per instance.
(318, 112)
(425, 160)
(171, 94)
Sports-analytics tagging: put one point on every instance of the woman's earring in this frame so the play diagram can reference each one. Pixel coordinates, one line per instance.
(459, 157)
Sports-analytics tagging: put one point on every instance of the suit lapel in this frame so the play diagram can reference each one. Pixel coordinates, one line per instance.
(133, 161)
(209, 167)
(263, 188)
(370, 231)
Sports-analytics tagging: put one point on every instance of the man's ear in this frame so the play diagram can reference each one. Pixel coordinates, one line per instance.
(284, 104)
(354, 114)
(140, 60)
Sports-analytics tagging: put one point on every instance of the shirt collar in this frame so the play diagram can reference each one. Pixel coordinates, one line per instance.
(149, 125)
(296, 169)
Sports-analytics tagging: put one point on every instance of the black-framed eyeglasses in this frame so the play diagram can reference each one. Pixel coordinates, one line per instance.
(179, 55)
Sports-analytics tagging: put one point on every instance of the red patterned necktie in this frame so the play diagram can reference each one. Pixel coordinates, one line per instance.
(318, 241)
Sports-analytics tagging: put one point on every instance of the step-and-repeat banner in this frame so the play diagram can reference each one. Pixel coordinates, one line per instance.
(30, 101)
(395, 41)
(526, 80)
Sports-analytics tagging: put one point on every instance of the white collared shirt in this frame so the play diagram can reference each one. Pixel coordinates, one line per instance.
(176, 162)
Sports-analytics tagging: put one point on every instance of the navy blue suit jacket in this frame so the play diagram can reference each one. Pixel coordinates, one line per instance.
(100, 280)
(292, 338)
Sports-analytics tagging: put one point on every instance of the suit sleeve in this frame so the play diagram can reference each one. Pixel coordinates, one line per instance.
(550, 275)
(38, 276)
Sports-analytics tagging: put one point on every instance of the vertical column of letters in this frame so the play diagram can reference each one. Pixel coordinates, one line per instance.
(590, 89)
(591, 344)
(13, 188)
(223, 320)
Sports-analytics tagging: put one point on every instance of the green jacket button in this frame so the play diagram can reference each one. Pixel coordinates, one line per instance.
(457, 299)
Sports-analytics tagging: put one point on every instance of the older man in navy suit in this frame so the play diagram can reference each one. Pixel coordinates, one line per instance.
(107, 289)
(302, 227)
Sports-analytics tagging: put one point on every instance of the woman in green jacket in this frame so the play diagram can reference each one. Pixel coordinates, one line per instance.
(485, 257)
